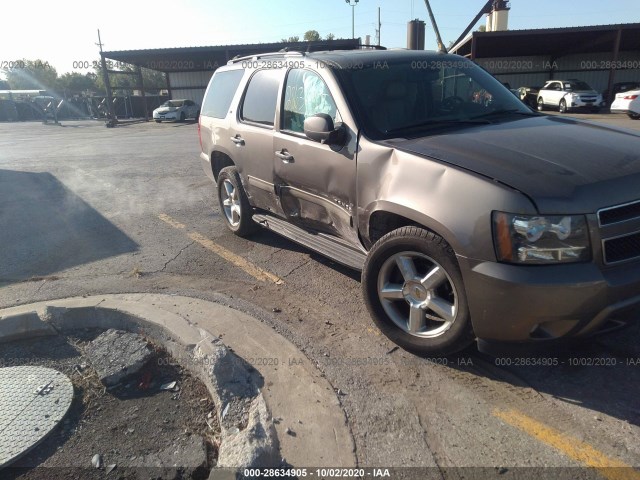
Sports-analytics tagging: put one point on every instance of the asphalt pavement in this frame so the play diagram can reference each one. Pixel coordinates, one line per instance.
(86, 210)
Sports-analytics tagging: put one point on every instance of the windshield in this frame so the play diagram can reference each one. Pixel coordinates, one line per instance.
(423, 92)
(576, 85)
(173, 103)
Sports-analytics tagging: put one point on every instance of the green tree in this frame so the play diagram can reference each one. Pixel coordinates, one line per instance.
(312, 36)
(153, 80)
(293, 39)
(31, 75)
(330, 36)
(75, 83)
(482, 28)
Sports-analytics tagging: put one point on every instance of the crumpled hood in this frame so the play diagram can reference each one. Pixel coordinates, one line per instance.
(563, 165)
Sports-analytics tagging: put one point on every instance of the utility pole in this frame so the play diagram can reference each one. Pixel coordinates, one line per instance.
(111, 121)
(379, 28)
(441, 46)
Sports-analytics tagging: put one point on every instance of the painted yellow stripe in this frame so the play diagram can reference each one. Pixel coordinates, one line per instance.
(170, 221)
(573, 448)
(236, 260)
(227, 255)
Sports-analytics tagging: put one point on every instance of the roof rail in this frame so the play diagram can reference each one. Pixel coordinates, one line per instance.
(373, 47)
(282, 53)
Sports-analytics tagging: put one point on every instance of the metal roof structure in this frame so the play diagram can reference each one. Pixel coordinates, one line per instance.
(555, 42)
(193, 59)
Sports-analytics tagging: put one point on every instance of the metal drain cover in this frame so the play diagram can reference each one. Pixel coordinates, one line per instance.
(33, 401)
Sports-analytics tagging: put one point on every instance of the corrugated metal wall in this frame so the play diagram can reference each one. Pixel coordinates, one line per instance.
(535, 71)
(195, 83)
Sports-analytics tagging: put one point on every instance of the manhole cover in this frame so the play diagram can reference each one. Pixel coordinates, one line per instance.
(33, 400)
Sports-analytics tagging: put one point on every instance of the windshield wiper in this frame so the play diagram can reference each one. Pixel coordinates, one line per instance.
(515, 111)
(438, 123)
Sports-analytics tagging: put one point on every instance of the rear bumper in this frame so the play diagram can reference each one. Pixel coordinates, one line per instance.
(528, 304)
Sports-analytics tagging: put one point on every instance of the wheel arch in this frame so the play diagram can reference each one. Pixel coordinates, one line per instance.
(385, 217)
(220, 160)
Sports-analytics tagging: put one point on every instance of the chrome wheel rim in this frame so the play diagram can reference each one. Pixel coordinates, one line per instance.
(417, 294)
(230, 203)
(563, 107)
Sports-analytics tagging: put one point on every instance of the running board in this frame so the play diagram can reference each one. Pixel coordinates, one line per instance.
(326, 245)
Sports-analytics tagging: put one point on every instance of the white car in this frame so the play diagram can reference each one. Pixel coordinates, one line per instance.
(566, 95)
(176, 110)
(627, 102)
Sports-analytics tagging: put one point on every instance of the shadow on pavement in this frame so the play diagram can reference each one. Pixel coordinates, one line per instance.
(45, 228)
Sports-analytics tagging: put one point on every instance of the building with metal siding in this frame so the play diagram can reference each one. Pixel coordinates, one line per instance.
(599, 55)
(188, 70)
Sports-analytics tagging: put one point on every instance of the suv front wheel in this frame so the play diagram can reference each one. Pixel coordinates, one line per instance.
(234, 203)
(413, 289)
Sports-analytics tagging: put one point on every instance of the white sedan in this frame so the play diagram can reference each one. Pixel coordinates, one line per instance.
(176, 110)
(627, 102)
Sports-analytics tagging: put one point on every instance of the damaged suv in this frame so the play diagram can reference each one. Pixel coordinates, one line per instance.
(471, 216)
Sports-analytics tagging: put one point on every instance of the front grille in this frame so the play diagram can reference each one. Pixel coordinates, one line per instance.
(621, 213)
(622, 248)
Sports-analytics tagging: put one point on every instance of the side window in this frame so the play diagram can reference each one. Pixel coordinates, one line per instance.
(220, 94)
(305, 95)
(260, 100)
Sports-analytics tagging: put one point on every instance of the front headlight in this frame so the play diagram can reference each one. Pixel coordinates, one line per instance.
(538, 239)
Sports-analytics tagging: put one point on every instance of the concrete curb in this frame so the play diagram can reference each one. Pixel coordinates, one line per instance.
(310, 426)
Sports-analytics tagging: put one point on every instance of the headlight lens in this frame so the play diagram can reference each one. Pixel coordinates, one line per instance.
(546, 239)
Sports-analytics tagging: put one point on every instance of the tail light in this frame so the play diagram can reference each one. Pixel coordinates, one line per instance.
(631, 97)
(199, 132)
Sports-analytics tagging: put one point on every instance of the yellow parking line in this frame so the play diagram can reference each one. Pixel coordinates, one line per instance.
(229, 256)
(170, 221)
(573, 448)
(237, 260)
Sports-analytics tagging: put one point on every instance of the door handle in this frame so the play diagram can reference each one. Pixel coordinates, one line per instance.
(238, 140)
(285, 156)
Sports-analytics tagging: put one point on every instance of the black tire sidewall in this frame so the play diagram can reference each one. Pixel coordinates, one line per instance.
(246, 225)
(418, 240)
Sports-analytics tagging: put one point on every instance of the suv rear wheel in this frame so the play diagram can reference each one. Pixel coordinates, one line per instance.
(414, 291)
(234, 203)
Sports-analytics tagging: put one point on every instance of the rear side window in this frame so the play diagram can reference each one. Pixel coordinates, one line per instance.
(223, 87)
(260, 100)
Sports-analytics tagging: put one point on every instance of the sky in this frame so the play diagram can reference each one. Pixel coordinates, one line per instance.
(64, 32)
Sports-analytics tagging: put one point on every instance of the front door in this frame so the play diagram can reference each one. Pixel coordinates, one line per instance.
(315, 182)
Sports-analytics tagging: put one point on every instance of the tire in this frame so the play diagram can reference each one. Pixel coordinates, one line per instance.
(183, 117)
(431, 273)
(562, 107)
(234, 204)
(158, 121)
(540, 104)
(634, 116)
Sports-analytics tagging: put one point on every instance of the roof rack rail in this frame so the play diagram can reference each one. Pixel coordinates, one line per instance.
(373, 47)
(258, 56)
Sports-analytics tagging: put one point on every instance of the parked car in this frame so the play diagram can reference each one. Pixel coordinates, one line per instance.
(620, 87)
(566, 95)
(627, 102)
(176, 110)
(529, 96)
(462, 230)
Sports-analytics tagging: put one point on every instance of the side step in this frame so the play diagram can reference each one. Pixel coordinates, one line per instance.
(326, 245)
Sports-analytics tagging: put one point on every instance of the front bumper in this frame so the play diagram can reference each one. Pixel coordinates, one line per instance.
(578, 104)
(513, 303)
(165, 116)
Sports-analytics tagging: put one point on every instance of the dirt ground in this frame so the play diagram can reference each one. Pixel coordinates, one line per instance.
(132, 426)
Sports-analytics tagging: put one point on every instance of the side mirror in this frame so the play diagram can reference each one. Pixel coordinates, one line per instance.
(320, 128)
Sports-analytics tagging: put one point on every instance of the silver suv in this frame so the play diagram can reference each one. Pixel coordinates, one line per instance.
(470, 215)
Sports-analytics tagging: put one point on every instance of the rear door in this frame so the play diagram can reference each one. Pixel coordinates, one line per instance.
(253, 137)
(315, 182)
